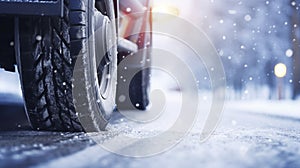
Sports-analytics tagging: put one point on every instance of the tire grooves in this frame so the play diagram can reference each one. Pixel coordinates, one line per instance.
(50, 105)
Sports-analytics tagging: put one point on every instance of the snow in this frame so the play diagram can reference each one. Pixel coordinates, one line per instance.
(38, 37)
(238, 142)
(10, 83)
(232, 12)
(289, 53)
(252, 33)
(283, 108)
(247, 18)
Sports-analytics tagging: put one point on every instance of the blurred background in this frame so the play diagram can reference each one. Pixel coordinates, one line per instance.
(258, 42)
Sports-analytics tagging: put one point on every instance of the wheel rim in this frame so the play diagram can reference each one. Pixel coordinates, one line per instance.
(105, 56)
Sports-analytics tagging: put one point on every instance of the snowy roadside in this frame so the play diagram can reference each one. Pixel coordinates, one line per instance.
(9, 83)
(283, 108)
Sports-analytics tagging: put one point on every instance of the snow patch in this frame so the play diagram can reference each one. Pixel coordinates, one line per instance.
(285, 108)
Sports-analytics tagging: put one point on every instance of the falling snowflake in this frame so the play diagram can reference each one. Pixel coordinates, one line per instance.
(289, 53)
(247, 18)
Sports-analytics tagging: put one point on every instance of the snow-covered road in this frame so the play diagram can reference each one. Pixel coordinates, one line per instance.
(250, 134)
(243, 139)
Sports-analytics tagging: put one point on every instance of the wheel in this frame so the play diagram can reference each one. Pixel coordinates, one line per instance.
(7, 60)
(139, 89)
(63, 88)
(140, 83)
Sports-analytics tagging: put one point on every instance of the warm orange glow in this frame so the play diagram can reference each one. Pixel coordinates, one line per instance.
(166, 9)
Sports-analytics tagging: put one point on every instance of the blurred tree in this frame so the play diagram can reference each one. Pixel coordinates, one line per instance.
(296, 47)
(269, 77)
(251, 38)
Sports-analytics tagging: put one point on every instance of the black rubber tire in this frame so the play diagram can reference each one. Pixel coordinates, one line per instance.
(7, 59)
(139, 89)
(139, 86)
(49, 49)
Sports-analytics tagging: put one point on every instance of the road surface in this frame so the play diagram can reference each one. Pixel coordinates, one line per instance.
(242, 139)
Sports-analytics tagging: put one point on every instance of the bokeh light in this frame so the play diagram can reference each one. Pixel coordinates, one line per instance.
(280, 70)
